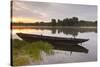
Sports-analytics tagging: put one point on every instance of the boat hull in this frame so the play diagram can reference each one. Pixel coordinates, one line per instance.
(54, 40)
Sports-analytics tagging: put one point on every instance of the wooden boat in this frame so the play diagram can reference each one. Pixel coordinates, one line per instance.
(51, 39)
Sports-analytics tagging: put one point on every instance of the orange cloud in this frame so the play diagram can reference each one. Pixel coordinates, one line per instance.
(24, 19)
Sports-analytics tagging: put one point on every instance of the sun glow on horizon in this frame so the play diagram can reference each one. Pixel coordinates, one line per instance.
(24, 20)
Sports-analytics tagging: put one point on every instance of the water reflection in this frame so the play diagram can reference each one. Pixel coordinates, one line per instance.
(67, 31)
(71, 31)
(79, 53)
(71, 47)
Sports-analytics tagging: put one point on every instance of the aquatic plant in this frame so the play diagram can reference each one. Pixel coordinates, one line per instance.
(25, 52)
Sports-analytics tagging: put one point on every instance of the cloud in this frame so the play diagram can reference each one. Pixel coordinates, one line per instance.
(23, 9)
(45, 11)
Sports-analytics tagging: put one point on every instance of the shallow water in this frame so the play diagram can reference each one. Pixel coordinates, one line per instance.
(70, 54)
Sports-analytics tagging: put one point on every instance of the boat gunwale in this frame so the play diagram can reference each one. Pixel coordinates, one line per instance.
(50, 37)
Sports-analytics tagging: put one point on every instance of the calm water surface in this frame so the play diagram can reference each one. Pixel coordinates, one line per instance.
(67, 56)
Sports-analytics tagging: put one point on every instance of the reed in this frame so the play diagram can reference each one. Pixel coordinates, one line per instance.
(24, 53)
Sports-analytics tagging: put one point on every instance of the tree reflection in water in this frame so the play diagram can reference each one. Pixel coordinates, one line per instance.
(68, 31)
(65, 30)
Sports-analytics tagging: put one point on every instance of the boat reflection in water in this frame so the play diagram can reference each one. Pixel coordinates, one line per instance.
(65, 46)
(70, 47)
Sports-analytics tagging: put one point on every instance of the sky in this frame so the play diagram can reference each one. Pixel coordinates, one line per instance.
(30, 11)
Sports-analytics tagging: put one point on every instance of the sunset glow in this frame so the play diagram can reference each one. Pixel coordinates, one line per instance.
(24, 20)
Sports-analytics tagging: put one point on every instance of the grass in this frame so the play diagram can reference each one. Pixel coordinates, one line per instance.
(23, 53)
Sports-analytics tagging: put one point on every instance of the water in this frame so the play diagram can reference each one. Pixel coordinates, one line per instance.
(72, 53)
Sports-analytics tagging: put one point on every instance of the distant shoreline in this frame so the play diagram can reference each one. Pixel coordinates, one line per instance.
(15, 27)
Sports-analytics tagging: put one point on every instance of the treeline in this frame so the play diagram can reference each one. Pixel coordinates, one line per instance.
(74, 21)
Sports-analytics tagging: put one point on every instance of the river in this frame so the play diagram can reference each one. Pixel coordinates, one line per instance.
(89, 52)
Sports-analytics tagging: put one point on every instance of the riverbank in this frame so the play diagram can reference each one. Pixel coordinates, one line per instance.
(25, 53)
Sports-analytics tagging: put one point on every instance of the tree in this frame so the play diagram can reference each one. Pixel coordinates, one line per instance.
(42, 23)
(75, 21)
(53, 22)
(70, 22)
(59, 22)
(95, 23)
(63, 22)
